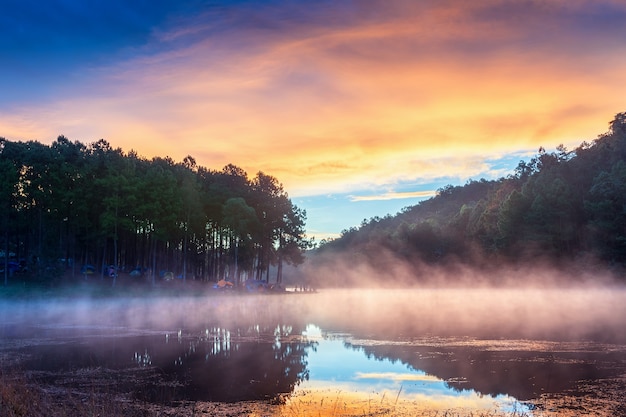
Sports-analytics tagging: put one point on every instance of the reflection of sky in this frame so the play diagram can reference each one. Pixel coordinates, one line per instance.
(334, 365)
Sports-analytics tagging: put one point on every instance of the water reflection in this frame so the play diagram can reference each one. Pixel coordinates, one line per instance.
(220, 364)
(246, 348)
(217, 364)
(338, 367)
(143, 359)
(261, 362)
(218, 367)
(522, 374)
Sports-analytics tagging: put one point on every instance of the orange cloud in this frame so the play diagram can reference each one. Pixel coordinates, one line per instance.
(395, 196)
(411, 90)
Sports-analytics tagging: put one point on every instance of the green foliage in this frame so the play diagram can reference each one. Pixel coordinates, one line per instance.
(563, 204)
(68, 205)
(606, 209)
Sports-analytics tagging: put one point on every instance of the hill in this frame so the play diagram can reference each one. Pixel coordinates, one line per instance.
(565, 208)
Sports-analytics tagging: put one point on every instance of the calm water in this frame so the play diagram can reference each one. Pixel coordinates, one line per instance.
(471, 349)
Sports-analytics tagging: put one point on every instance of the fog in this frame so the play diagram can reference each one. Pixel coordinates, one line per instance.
(584, 314)
(507, 331)
(540, 314)
(387, 270)
(384, 297)
(492, 340)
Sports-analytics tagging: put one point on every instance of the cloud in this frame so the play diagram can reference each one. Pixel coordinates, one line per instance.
(394, 196)
(395, 376)
(336, 98)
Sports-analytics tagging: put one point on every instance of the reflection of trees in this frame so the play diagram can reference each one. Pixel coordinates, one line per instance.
(212, 362)
(522, 374)
(238, 364)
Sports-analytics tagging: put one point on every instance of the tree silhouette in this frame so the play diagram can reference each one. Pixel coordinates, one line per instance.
(69, 203)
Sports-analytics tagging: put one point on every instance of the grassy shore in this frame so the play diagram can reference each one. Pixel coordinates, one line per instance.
(20, 397)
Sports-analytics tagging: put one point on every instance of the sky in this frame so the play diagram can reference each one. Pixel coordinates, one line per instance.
(359, 108)
(335, 366)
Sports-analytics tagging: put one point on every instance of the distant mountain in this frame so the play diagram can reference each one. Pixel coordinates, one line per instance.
(565, 207)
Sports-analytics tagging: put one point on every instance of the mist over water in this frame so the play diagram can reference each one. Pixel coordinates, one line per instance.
(544, 314)
(556, 314)
(237, 347)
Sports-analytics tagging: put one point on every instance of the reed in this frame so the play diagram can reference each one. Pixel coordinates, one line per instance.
(341, 405)
(23, 397)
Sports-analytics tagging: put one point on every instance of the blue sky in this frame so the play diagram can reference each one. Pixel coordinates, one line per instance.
(339, 371)
(359, 108)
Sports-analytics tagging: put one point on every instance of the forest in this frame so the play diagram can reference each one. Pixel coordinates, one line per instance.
(566, 206)
(71, 210)
(81, 211)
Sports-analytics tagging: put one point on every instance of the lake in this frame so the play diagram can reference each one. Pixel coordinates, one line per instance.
(339, 352)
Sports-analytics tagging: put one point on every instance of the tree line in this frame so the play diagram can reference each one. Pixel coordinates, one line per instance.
(564, 205)
(71, 208)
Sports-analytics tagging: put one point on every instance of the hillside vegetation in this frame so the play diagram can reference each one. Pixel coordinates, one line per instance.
(565, 207)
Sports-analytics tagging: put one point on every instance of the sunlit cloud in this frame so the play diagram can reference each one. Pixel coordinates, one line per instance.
(394, 196)
(398, 377)
(345, 98)
(463, 402)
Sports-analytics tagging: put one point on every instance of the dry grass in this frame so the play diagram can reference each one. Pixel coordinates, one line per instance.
(338, 404)
(20, 397)
(24, 397)
(16, 399)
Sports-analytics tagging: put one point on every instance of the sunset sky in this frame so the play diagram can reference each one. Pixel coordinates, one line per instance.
(359, 108)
